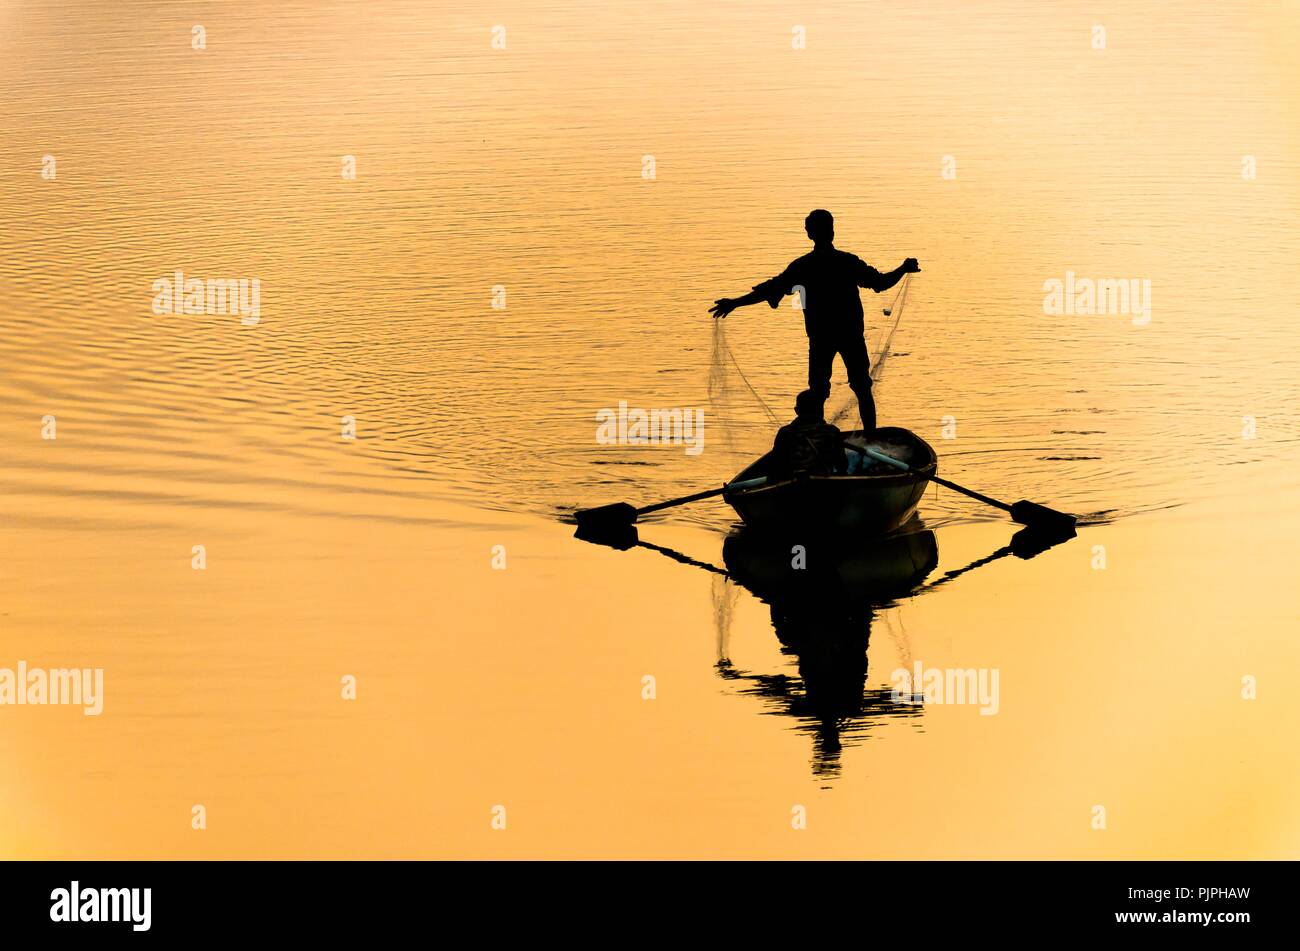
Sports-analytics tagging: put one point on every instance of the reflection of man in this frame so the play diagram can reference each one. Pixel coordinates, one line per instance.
(809, 445)
(822, 610)
(828, 280)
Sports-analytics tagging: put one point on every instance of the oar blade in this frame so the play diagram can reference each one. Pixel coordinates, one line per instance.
(1040, 516)
(606, 517)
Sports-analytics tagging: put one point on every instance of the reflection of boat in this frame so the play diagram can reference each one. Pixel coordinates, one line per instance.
(875, 501)
(823, 591)
(822, 595)
(830, 568)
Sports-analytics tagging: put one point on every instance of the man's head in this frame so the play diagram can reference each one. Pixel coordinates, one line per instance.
(809, 406)
(820, 226)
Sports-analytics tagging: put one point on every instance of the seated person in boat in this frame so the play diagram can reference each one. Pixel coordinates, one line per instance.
(809, 445)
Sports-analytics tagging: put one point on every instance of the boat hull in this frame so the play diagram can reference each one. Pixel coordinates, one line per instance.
(878, 502)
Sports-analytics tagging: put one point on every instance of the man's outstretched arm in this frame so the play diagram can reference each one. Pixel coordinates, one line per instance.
(880, 283)
(771, 291)
(725, 305)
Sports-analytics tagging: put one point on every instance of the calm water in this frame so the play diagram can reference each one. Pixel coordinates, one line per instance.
(515, 175)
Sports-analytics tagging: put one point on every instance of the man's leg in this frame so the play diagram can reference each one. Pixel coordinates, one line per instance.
(854, 354)
(821, 354)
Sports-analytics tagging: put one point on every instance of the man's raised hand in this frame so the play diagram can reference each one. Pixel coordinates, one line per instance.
(911, 266)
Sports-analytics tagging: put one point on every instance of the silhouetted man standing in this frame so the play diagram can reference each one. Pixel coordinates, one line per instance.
(827, 281)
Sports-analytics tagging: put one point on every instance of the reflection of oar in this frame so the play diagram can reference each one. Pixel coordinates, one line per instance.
(607, 517)
(623, 537)
(1024, 512)
(1025, 544)
(684, 559)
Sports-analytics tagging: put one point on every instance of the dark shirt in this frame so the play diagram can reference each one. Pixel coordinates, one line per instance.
(811, 447)
(830, 279)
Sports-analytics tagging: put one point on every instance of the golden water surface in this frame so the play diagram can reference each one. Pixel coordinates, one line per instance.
(1146, 667)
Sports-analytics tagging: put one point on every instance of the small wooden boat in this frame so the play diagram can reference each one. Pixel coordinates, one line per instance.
(876, 500)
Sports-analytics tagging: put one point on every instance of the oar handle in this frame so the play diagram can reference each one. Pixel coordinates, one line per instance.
(708, 493)
(898, 463)
(881, 457)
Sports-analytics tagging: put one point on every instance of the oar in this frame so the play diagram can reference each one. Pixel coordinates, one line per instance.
(608, 517)
(1024, 512)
